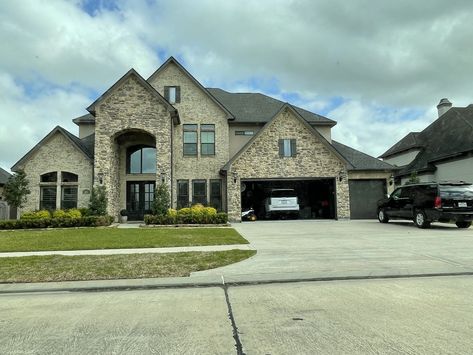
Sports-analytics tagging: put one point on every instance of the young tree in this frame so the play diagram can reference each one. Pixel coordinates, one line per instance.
(413, 179)
(16, 189)
(161, 201)
(98, 201)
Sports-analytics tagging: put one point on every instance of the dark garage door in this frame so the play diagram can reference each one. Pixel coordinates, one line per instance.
(364, 194)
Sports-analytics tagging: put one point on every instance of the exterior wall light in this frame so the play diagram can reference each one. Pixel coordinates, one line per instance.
(235, 176)
(100, 176)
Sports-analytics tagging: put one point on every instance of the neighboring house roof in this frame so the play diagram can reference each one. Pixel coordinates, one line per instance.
(227, 166)
(141, 80)
(83, 146)
(259, 108)
(4, 176)
(447, 137)
(360, 160)
(410, 141)
(194, 80)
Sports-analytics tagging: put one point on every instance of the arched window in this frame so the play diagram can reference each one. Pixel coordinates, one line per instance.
(49, 190)
(141, 160)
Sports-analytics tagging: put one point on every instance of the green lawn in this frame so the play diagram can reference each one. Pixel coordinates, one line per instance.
(105, 267)
(113, 238)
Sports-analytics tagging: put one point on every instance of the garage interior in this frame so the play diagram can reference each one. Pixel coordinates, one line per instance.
(316, 197)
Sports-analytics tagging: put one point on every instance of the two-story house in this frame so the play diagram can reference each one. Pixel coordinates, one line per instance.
(443, 151)
(208, 145)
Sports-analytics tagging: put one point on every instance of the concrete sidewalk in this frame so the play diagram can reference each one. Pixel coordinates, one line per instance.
(129, 251)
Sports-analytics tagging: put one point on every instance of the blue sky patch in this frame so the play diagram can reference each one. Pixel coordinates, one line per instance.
(93, 7)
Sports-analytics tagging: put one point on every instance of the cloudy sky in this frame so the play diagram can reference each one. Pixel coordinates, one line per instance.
(379, 68)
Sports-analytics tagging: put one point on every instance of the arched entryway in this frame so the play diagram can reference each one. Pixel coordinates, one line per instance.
(137, 172)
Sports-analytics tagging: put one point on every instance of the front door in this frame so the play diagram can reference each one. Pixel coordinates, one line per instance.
(139, 198)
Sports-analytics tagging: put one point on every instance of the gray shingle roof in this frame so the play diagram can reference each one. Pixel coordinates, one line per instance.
(360, 160)
(87, 118)
(449, 136)
(4, 176)
(410, 141)
(255, 107)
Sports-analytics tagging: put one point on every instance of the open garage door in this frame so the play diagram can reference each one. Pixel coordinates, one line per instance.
(316, 197)
(364, 195)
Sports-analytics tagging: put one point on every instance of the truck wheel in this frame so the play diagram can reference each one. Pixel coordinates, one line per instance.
(382, 216)
(420, 219)
(463, 224)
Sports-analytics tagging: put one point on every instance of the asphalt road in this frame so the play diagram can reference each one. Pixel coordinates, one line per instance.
(409, 316)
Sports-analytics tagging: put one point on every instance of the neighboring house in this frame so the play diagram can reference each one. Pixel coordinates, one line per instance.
(5, 210)
(443, 151)
(209, 146)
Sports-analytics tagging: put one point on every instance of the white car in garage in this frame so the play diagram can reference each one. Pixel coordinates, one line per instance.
(282, 202)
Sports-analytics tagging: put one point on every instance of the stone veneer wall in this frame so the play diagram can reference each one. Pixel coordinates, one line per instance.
(195, 107)
(57, 154)
(130, 107)
(261, 160)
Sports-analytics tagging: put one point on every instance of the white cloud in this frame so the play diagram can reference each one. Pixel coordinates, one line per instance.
(381, 59)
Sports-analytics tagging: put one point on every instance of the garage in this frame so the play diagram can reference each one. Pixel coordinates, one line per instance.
(316, 197)
(364, 195)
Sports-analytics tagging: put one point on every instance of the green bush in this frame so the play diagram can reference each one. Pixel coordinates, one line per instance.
(41, 214)
(61, 222)
(59, 214)
(197, 214)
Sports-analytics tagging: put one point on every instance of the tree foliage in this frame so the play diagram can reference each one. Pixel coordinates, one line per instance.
(16, 189)
(413, 179)
(162, 201)
(98, 201)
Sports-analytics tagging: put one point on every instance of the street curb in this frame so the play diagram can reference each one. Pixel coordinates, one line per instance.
(23, 288)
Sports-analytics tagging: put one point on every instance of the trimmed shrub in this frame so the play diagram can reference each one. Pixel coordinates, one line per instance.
(63, 222)
(41, 214)
(197, 214)
(59, 214)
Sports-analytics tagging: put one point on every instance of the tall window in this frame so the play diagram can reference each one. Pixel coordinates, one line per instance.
(141, 160)
(182, 193)
(172, 94)
(216, 194)
(207, 139)
(287, 147)
(190, 139)
(69, 190)
(68, 197)
(48, 198)
(199, 192)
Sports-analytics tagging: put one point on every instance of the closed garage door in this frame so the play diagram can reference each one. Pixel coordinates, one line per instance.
(364, 195)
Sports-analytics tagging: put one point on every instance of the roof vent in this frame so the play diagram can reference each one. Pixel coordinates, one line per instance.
(443, 106)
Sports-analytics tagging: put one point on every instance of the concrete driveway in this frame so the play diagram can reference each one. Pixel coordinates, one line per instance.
(325, 249)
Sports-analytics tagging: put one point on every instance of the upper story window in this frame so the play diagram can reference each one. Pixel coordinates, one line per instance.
(172, 94)
(141, 160)
(190, 139)
(207, 139)
(244, 133)
(287, 147)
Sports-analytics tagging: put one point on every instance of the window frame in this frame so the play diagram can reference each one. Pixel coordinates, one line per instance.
(167, 94)
(181, 198)
(41, 197)
(202, 199)
(190, 128)
(291, 151)
(130, 152)
(207, 128)
(212, 196)
(75, 200)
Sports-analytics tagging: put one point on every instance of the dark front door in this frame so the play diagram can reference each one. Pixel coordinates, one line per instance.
(139, 198)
